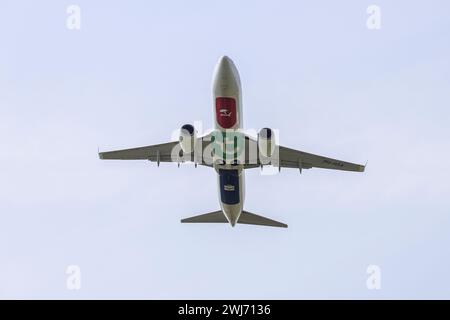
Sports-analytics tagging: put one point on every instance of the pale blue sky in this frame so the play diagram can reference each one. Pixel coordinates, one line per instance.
(137, 70)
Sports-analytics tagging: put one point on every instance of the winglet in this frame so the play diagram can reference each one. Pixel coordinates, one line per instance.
(100, 155)
(363, 168)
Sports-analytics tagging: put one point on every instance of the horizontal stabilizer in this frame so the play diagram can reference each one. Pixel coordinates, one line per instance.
(251, 218)
(212, 217)
(245, 218)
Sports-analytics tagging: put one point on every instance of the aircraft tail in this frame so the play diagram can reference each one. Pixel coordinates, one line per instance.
(245, 218)
(211, 217)
(251, 218)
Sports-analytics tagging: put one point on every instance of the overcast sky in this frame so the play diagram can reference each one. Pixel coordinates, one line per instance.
(136, 71)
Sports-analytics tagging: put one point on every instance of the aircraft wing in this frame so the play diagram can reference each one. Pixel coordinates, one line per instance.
(291, 158)
(163, 152)
(287, 158)
(142, 153)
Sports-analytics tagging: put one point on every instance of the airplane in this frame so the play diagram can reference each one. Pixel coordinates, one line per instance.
(230, 151)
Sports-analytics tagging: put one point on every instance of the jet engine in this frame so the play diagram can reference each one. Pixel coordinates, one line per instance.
(188, 137)
(266, 142)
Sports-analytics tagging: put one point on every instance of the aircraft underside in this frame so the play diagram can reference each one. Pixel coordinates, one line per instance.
(230, 151)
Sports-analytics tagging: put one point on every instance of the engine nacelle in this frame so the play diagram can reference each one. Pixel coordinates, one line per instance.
(188, 138)
(266, 142)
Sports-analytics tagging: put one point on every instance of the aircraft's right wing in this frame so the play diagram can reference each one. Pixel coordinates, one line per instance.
(164, 152)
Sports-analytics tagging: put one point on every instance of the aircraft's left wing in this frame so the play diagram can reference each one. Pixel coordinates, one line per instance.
(291, 158)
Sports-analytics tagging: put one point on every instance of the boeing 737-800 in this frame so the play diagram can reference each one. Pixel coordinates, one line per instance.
(230, 152)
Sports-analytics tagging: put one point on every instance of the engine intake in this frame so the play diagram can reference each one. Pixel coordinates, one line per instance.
(188, 137)
(266, 142)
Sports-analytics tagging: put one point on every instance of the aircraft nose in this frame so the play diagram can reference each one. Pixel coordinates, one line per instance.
(225, 63)
(226, 78)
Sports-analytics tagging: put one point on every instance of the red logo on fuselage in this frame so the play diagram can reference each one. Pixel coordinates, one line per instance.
(226, 112)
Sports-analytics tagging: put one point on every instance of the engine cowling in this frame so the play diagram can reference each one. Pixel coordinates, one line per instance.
(266, 142)
(188, 137)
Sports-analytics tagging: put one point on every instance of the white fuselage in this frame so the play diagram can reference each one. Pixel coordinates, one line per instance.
(227, 96)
